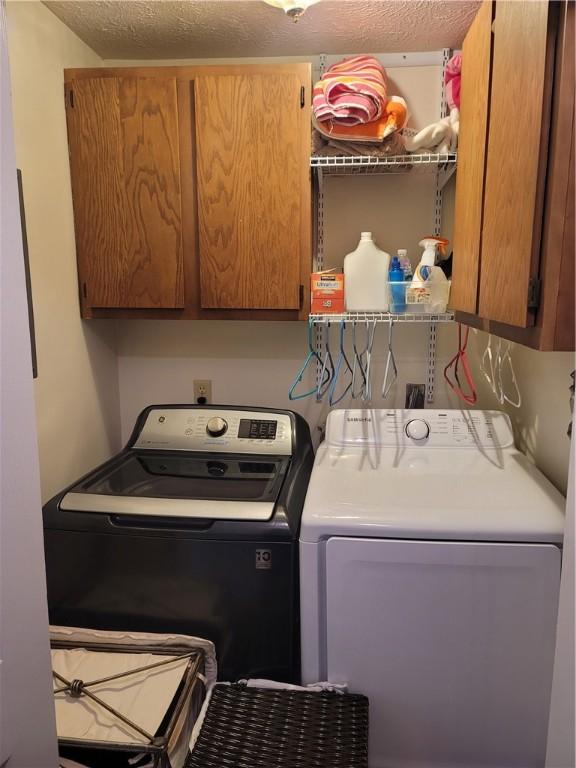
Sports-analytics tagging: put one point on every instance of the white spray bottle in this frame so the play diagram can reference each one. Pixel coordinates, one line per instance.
(424, 269)
(429, 287)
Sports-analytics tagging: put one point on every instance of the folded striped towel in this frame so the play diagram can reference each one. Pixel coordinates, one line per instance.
(452, 77)
(351, 92)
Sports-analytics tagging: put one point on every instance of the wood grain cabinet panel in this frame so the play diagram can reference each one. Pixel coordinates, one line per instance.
(251, 200)
(123, 136)
(519, 121)
(474, 106)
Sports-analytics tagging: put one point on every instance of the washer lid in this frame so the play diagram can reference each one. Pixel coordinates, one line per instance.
(471, 492)
(185, 484)
(171, 508)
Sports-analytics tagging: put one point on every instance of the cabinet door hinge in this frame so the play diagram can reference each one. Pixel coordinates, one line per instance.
(301, 296)
(70, 97)
(534, 286)
(302, 97)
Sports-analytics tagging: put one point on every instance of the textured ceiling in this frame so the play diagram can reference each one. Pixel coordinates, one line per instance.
(168, 29)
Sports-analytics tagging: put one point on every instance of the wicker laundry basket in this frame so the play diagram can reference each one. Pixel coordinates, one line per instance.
(246, 727)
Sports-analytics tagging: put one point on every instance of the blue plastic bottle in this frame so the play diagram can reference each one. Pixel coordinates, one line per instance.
(397, 286)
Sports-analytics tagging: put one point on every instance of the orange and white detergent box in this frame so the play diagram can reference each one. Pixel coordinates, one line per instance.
(327, 292)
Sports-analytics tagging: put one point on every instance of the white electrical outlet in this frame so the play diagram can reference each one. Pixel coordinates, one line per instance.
(202, 391)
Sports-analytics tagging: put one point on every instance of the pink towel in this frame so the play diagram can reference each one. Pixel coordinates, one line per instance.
(452, 81)
(353, 91)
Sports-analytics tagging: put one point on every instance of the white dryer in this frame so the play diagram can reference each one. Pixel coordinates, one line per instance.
(430, 568)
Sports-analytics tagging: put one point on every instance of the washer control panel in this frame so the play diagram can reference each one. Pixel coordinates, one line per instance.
(225, 431)
(432, 428)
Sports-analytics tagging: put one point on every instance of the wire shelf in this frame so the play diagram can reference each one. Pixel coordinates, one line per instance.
(382, 317)
(340, 165)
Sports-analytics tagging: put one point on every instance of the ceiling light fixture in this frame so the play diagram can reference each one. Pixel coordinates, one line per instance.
(292, 8)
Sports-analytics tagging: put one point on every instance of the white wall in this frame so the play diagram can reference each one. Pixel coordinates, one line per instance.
(76, 390)
(27, 723)
(541, 422)
(250, 363)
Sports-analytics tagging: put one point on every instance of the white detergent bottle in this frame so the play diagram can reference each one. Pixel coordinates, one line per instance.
(366, 277)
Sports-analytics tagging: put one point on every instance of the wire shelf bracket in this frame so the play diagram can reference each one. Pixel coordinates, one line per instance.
(431, 372)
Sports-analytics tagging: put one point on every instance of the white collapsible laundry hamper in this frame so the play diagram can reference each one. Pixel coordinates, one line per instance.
(128, 699)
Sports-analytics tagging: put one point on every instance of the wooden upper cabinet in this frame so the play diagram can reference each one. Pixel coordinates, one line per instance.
(474, 106)
(513, 242)
(124, 158)
(516, 159)
(555, 319)
(253, 143)
(191, 187)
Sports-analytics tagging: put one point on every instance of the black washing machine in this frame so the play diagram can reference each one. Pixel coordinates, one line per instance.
(192, 528)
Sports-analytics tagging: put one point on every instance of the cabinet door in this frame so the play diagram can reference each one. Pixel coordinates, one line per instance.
(556, 313)
(252, 156)
(123, 136)
(474, 101)
(516, 160)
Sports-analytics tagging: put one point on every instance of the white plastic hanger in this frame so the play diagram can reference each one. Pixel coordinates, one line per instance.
(391, 371)
(487, 366)
(492, 365)
(506, 360)
(370, 333)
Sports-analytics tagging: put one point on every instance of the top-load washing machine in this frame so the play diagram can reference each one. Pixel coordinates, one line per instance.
(430, 568)
(191, 529)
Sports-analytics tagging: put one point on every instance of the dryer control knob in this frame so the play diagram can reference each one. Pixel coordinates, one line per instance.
(216, 426)
(418, 429)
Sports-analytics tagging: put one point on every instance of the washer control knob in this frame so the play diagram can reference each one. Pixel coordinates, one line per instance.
(417, 429)
(216, 426)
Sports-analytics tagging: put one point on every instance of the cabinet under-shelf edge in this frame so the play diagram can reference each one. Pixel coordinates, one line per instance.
(191, 313)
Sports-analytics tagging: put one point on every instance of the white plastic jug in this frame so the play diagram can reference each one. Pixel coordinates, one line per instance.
(366, 277)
